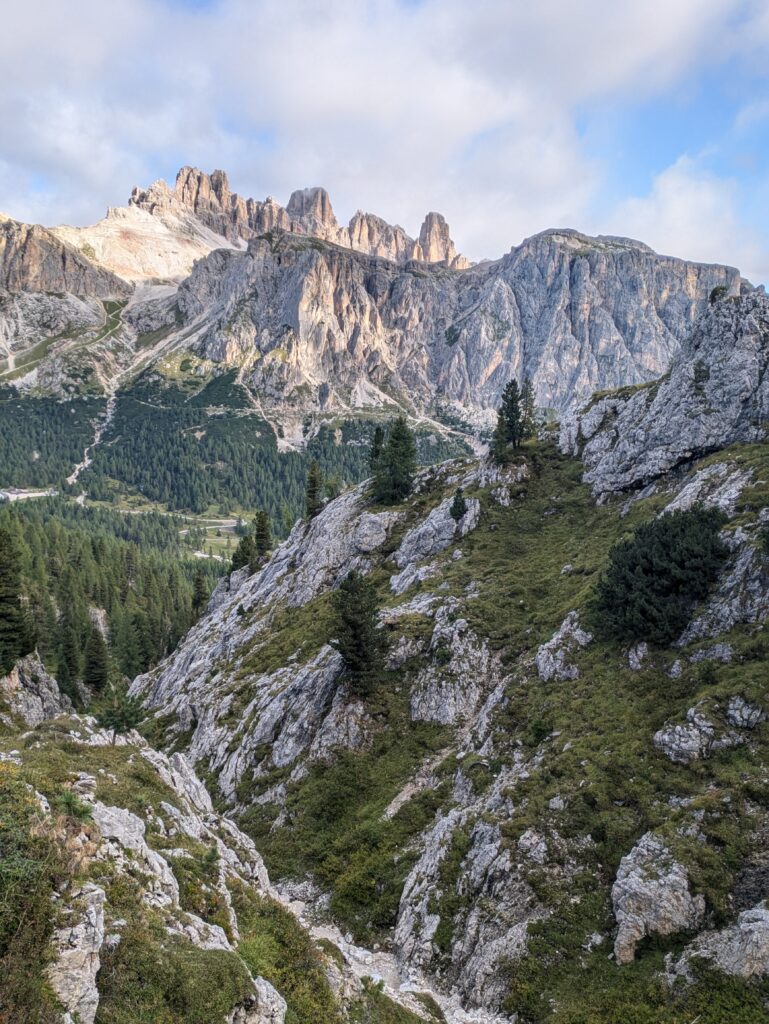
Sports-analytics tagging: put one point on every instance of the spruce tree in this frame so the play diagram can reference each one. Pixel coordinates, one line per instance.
(313, 494)
(375, 452)
(397, 465)
(199, 592)
(528, 409)
(511, 405)
(499, 450)
(458, 505)
(245, 553)
(357, 637)
(262, 533)
(120, 713)
(96, 666)
(15, 640)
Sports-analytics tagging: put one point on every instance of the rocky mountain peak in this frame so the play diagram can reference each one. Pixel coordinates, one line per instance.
(436, 244)
(312, 208)
(208, 198)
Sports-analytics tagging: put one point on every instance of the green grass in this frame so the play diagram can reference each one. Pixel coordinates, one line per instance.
(336, 828)
(275, 946)
(374, 1007)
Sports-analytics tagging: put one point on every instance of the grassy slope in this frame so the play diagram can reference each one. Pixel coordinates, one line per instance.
(614, 783)
(149, 977)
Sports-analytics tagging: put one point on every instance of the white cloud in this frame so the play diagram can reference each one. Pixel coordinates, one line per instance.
(398, 108)
(692, 213)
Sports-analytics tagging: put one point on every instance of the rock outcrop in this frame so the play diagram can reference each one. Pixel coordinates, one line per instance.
(716, 393)
(77, 944)
(651, 896)
(33, 259)
(697, 738)
(31, 693)
(553, 659)
(741, 950)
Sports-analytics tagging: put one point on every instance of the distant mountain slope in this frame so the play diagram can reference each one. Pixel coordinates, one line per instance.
(33, 259)
(309, 321)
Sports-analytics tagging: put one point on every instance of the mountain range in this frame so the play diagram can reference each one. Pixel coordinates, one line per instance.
(326, 321)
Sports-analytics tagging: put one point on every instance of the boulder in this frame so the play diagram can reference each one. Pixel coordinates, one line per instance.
(651, 896)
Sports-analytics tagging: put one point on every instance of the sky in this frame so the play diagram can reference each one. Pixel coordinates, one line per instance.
(644, 118)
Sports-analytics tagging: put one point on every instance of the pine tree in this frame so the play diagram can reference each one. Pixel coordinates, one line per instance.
(199, 592)
(458, 505)
(15, 640)
(528, 409)
(499, 450)
(313, 495)
(357, 637)
(397, 465)
(69, 664)
(96, 666)
(375, 452)
(262, 533)
(511, 405)
(120, 713)
(245, 553)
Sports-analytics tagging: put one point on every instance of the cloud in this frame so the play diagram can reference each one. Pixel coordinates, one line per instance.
(395, 107)
(693, 213)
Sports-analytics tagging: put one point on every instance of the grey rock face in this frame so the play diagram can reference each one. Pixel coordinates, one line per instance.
(328, 328)
(716, 486)
(697, 738)
(689, 742)
(34, 260)
(742, 595)
(743, 715)
(31, 693)
(636, 655)
(741, 950)
(76, 961)
(651, 896)
(436, 533)
(449, 688)
(298, 708)
(717, 392)
(552, 658)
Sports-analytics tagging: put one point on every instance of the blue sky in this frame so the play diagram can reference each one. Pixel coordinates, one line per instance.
(646, 119)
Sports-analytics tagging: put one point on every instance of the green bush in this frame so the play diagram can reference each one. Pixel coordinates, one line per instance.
(656, 577)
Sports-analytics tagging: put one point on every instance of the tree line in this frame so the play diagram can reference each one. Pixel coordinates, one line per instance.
(94, 605)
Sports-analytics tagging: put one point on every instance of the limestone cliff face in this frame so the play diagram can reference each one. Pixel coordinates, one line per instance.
(308, 212)
(32, 259)
(576, 314)
(716, 394)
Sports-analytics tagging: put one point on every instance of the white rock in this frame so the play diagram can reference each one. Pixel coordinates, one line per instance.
(76, 962)
(651, 896)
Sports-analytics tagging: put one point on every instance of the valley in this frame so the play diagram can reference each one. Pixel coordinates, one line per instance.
(383, 637)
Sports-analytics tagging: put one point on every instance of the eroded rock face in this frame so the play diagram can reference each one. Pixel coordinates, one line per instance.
(717, 393)
(741, 950)
(691, 741)
(77, 944)
(308, 212)
(449, 688)
(435, 533)
(326, 327)
(552, 658)
(31, 693)
(32, 259)
(742, 594)
(651, 896)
